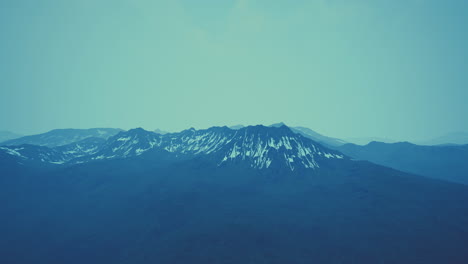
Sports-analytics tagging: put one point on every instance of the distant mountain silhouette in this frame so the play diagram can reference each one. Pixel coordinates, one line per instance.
(60, 137)
(441, 162)
(236, 127)
(367, 140)
(309, 133)
(328, 141)
(7, 135)
(456, 138)
(159, 131)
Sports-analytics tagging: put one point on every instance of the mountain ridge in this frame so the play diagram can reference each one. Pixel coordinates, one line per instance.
(264, 146)
(259, 146)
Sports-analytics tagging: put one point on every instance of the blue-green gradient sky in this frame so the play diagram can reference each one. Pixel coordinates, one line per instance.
(345, 68)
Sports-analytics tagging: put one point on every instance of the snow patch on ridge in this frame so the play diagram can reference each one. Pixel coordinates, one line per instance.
(13, 151)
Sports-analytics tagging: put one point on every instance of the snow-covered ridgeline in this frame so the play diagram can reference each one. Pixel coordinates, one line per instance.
(261, 147)
(57, 155)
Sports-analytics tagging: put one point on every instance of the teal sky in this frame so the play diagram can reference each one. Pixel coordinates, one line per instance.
(345, 68)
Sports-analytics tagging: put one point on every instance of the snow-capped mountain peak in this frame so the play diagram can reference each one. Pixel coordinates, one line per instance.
(275, 147)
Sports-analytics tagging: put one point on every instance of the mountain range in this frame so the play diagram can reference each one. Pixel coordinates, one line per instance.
(254, 194)
(303, 148)
(256, 146)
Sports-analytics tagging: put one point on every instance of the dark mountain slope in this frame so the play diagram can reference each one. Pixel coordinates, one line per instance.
(161, 207)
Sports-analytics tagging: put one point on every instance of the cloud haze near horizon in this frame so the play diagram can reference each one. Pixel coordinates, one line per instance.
(360, 68)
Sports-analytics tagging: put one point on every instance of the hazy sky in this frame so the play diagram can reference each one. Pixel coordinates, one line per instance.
(345, 68)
